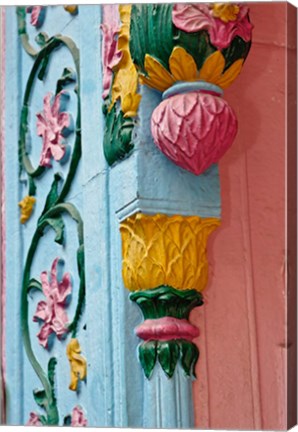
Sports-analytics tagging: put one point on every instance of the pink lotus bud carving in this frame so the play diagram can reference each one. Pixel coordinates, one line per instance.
(194, 129)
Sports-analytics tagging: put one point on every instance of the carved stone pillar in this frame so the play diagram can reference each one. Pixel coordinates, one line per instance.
(169, 133)
(165, 265)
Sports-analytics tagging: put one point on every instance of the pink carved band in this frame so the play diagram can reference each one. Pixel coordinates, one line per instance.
(166, 328)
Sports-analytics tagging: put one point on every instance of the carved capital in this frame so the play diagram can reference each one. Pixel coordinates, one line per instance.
(165, 264)
(165, 250)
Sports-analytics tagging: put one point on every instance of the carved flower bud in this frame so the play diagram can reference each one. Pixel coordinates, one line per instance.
(194, 129)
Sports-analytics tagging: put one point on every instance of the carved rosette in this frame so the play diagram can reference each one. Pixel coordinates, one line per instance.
(166, 267)
(191, 53)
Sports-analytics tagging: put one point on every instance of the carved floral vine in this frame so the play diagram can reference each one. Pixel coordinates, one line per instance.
(52, 125)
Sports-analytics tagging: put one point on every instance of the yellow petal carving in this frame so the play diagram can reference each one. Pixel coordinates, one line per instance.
(212, 67)
(225, 11)
(78, 364)
(182, 65)
(26, 206)
(161, 250)
(158, 77)
(212, 70)
(126, 77)
(230, 74)
(130, 104)
(72, 9)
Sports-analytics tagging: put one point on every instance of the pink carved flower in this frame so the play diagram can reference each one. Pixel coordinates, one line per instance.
(52, 311)
(222, 24)
(52, 126)
(78, 417)
(34, 420)
(111, 56)
(37, 15)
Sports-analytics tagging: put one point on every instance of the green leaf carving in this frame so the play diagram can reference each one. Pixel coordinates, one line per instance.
(34, 285)
(68, 76)
(53, 194)
(51, 370)
(151, 32)
(43, 68)
(40, 398)
(147, 356)
(58, 226)
(167, 301)
(67, 420)
(41, 39)
(43, 420)
(51, 375)
(236, 50)
(196, 44)
(168, 355)
(189, 357)
(117, 136)
(81, 297)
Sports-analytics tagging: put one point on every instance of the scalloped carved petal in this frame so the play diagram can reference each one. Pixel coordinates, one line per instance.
(230, 75)
(182, 65)
(213, 67)
(158, 77)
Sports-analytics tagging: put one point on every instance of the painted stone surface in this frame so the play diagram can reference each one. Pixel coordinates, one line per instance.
(140, 279)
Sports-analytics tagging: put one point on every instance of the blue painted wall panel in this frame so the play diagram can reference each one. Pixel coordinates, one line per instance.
(116, 392)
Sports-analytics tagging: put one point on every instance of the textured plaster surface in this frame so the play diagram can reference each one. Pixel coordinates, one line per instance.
(243, 364)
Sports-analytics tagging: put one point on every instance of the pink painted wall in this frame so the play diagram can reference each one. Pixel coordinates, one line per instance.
(242, 368)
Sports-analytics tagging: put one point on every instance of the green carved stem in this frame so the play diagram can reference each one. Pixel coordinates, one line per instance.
(21, 14)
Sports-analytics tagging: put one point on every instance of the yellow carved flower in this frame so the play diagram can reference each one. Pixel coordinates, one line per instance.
(184, 68)
(72, 9)
(26, 206)
(161, 250)
(125, 83)
(78, 364)
(225, 11)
